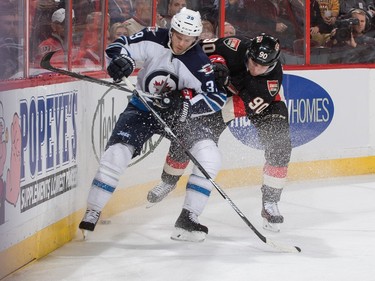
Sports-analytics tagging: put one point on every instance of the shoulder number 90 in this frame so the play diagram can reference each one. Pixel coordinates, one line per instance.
(258, 105)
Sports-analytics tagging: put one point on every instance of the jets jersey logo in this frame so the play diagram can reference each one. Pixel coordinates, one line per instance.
(232, 43)
(160, 81)
(273, 87)
(207, 69)
(161, 86)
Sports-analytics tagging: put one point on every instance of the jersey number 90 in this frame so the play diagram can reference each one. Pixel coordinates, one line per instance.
(257, 105)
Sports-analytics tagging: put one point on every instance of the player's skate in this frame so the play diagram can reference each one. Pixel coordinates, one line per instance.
(89, 221)
(188, 228)
(159, 192)
(271, 216)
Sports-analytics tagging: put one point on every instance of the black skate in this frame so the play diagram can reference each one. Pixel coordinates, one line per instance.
(188, 228)
(89, 222)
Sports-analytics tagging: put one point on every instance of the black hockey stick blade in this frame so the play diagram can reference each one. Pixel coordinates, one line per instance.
(276, 245)
(46, 64)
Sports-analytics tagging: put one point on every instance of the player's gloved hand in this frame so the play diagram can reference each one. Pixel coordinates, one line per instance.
(185, 110)
(176, 102)
(120, 66)
(168, 100)
(221, 71)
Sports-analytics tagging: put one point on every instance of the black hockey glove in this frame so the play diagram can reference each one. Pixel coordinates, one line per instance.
(120, 66)
(175, 103)
(221, 72)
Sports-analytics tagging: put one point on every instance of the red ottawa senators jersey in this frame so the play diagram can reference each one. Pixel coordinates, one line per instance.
(257, 92)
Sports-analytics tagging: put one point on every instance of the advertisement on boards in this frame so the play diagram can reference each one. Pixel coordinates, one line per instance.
(311, 110)
(38, 151)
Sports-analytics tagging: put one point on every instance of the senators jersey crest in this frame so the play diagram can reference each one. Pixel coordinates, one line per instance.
(273, 87)
(232, 43)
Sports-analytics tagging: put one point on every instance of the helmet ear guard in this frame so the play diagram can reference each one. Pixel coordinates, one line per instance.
(264, 50)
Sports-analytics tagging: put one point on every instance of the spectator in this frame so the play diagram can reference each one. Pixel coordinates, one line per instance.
(208, 31)
(329, 10)
(119, 10)
(209, 22)
(81, 8)
(368, 5)
(41, 13)
(10, 49)
(371, 12)
(353, 34)
(319, 31)
(298, 7)
(117, 29)
(272, 17)
(174, 6)
(235, 13)
(91, 47)
(325, 22)
(142, 17)
(351, 38)
(229, 29)
(56, 40)
(347, 5)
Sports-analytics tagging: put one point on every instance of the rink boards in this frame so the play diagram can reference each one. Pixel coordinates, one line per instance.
(54, 135)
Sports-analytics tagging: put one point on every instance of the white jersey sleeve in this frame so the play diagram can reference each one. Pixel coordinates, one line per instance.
(190, 70)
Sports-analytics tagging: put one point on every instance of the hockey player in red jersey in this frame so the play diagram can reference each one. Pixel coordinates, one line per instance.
(254, 83)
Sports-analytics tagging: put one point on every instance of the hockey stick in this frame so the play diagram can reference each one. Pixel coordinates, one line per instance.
(45, 63)
(280, 247)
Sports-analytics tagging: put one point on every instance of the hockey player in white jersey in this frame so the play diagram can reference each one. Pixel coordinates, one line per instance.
(179, 74)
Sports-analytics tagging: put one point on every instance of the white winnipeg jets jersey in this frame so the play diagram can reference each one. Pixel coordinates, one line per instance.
(162, 70)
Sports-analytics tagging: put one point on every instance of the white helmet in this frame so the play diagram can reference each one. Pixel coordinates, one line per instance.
(187, 22)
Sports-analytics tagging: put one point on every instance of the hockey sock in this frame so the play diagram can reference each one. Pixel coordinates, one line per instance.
(112, 165)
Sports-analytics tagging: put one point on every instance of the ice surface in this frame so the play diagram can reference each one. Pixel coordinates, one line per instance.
(333, 221)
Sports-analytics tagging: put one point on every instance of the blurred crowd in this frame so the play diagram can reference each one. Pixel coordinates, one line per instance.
(337, 27)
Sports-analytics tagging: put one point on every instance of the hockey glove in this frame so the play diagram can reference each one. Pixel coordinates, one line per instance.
(185, 111)
(175, 103)
(221, 70)
(120, 66)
